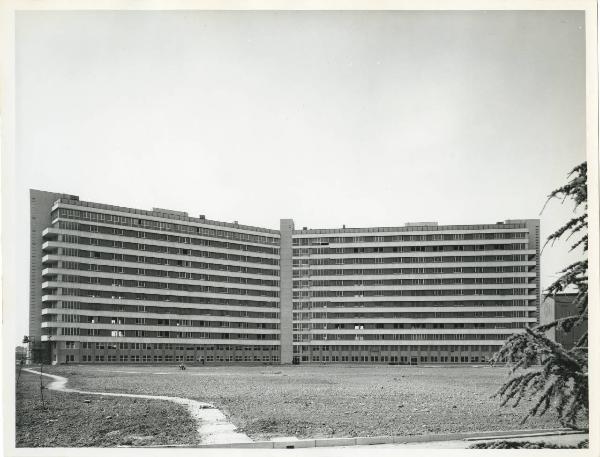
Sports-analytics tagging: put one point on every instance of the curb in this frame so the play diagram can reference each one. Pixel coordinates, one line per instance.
(371, 440)
(532, 435)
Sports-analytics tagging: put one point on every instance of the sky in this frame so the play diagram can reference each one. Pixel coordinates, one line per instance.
(329, 118)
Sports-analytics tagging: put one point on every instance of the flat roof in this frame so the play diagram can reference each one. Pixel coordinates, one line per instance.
(415, 228)
(165, 214)
(184, 217)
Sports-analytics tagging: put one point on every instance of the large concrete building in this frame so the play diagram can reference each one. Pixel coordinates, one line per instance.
(114, 284)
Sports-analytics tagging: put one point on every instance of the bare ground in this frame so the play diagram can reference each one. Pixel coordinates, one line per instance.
(78, 420)
(327, 401)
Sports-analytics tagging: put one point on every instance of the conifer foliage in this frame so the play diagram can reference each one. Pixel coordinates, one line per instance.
(541, 369)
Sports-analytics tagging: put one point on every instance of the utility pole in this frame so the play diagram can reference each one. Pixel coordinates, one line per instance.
(26, 341)
(41, 384)
(41, 369)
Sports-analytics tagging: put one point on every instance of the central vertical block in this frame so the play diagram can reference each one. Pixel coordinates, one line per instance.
(285, 290)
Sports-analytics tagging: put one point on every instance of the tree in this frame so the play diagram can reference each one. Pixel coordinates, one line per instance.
(540, 368)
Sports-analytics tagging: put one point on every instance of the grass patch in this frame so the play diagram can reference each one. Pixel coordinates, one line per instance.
(69, 420)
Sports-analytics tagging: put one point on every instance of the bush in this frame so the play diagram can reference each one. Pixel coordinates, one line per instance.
(526, 445)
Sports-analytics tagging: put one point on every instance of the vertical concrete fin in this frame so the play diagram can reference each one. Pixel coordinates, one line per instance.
(285, 290)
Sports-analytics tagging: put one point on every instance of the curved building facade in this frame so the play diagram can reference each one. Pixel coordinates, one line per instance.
(120, 285)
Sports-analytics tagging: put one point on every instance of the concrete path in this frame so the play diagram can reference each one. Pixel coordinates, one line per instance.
(213, 427)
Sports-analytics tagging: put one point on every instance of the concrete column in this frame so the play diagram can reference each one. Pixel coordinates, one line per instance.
(285, 290)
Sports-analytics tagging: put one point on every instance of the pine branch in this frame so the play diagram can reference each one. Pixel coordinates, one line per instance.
(573, 226)
(539, 367)
(551, 379)
(576, 188)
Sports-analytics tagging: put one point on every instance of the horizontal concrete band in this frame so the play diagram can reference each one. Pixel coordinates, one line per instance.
(159, 328)
(273, 270)
(48, 258)
(176, 233)
(253, 262)
(116, 290)
(303, 248)
(368, 440)
(272, 307)
(114, 276)
(180, 244)
(152, 340)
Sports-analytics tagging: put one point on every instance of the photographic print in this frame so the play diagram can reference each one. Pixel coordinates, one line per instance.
(353, 229)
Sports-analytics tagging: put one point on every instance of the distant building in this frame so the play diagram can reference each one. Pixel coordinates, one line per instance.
(20, 353)
(553, 308)
(115, 284)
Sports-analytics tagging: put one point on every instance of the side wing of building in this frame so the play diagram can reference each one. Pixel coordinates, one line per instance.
(40, 204)
(422, 293)
(125, 285)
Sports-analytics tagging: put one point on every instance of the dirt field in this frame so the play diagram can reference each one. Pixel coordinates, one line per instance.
(325, 400)
(69, 420)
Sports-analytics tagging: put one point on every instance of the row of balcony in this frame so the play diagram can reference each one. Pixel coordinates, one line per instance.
(236, 271)
(150, 315)
(116, 290)
(55, 233)
(51, 273)
(138, 302)
(160, 328)
(49, 246)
